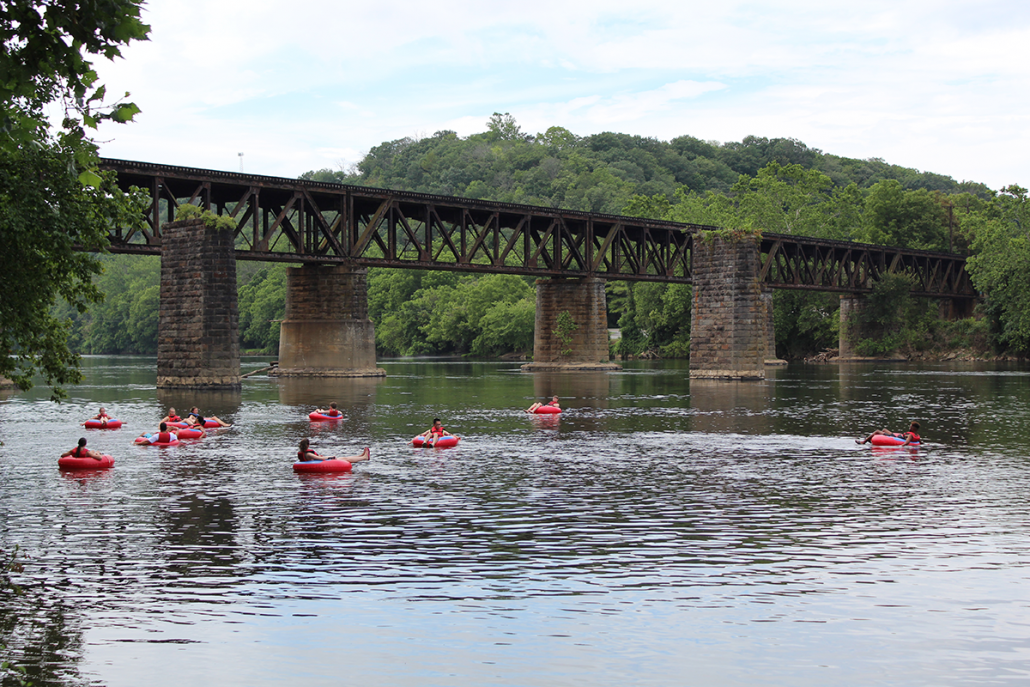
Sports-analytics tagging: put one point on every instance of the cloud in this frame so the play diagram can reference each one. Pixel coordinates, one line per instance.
(935, 85)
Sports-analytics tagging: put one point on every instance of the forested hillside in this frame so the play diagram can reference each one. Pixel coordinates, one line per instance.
(758, 184)
(601, 173)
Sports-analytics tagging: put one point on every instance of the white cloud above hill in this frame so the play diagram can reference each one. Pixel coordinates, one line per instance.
(941, 86)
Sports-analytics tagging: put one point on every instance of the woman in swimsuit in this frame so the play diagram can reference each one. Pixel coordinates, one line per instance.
(81, 451)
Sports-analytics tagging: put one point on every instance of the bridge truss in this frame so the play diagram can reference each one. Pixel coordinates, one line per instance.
(290, 220)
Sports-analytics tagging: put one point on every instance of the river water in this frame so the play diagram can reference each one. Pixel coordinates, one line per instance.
(658, 532)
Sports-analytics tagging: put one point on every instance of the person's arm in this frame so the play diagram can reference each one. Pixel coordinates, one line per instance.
(908, 438)
(67, 453)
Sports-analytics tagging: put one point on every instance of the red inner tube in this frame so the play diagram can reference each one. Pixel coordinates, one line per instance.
(318, 417)
(442, 442)
(143, 441)
(73, 463)
(335, 465)
(100, 424)
(885, 440)
(547, 410)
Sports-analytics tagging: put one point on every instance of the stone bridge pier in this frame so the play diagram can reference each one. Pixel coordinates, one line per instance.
(730, 314)
(198, 344)
(571, 326)
(326, 331)
(850, 307)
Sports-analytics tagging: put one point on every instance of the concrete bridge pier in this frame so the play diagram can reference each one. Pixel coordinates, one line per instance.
(770, 329)
(577, 340)
(198, 344)
(729, 316)
(850, 307)
(957, 308)
(326, 332)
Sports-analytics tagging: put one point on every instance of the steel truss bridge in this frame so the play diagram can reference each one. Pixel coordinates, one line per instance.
(291, 220)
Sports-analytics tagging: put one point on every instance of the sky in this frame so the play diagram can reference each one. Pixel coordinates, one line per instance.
(939, 86)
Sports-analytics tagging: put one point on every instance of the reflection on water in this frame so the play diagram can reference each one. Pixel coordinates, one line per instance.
(211, 402)
(356, 392)
(659, 531)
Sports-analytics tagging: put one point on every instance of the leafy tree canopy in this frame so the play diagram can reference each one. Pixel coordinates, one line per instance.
(52, 198)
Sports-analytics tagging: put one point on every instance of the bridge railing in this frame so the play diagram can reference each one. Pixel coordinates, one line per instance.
(294, 220)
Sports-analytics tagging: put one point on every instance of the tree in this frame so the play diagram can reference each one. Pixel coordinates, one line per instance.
(1000, 266)
(505, 128)
(907, 219)
(262, 305)
(53, 200)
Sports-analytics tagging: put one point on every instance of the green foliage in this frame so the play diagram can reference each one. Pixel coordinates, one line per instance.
(656, 320)
(126, 321)
(419, 313)
(212, 220)
(564, 327)
(506, 327)
(53, 199)
(45, 59)
(46, 215)
(805, 322)
(604, 172)
(891, 317)
(262, 305)
(1001, 266)
(908, 219)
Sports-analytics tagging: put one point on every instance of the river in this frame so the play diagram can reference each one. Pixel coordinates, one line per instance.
(658, 532)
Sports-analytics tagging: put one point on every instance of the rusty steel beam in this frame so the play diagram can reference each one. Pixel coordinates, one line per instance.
(796, 262)
(291, 220)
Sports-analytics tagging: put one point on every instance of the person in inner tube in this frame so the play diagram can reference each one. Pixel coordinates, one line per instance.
(435, 433)
(910, 437)
(194, 417)
(80, 451)
(162, 436)
(553, 404)
(102, 416)
(331, 411)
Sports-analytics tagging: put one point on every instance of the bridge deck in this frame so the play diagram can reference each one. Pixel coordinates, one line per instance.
(292, 220)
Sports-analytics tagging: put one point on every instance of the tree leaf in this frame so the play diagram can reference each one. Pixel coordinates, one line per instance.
(89, 178)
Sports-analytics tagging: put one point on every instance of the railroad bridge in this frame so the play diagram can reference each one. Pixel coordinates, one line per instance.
(334, 232)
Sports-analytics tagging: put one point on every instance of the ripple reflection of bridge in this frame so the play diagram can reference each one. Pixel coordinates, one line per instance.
(314, 223)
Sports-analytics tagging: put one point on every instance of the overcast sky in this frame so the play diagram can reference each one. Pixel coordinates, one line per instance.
(940, 86)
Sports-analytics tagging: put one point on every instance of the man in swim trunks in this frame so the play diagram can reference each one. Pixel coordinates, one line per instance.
(910, 437)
